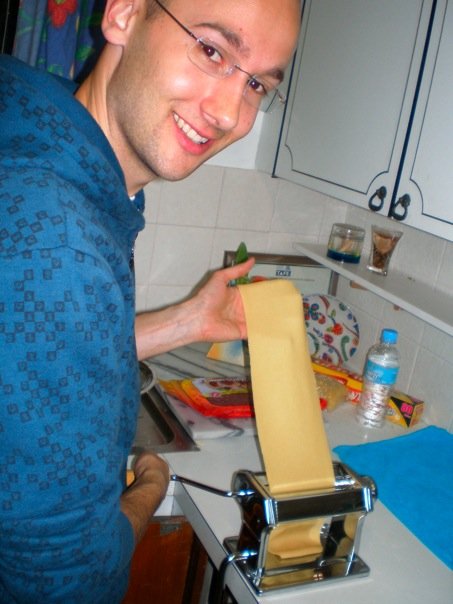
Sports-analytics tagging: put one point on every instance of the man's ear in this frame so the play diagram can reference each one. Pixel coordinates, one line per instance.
(118, 18)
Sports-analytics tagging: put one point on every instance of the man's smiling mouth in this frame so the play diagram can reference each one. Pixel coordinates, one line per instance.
(188, 131)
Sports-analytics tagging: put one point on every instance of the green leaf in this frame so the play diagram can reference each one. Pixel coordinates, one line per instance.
(241, 254)
(242, 280)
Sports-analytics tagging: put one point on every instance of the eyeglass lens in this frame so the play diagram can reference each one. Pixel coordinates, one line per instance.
(215, 61)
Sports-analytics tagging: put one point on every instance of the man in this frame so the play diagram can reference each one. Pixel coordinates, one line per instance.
(177, 82)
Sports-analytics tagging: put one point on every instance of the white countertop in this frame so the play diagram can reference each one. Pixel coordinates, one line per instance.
(403, 570)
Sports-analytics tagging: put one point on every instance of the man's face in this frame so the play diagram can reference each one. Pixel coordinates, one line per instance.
(167, 116)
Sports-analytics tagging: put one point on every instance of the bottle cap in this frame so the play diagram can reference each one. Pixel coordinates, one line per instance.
(389, 336)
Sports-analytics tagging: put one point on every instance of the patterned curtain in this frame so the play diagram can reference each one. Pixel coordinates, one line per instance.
(60, 36)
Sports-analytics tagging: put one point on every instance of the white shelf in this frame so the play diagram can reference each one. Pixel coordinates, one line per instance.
(417, 298)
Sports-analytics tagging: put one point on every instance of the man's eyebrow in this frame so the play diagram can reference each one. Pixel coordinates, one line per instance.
(236, 41)
(277, 74)
(230, 36)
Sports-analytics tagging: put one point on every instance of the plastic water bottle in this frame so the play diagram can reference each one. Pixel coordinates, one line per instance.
(379, 377)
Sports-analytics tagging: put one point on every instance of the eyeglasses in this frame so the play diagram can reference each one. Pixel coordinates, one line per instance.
(215, 61)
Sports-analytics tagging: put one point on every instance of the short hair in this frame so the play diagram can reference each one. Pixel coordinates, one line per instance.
(152, 7)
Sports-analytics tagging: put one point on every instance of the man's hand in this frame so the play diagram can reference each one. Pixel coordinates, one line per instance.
(214, 314)
(219, 307)
(142, 498)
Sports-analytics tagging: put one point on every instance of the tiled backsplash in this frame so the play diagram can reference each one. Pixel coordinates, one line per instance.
(190, 224)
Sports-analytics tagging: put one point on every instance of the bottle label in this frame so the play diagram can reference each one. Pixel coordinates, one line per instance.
(379, 374)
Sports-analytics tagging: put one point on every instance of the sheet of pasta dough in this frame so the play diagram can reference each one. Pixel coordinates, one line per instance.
(290, 427)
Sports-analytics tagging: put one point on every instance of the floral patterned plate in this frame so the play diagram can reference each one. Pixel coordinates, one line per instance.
(332, 329)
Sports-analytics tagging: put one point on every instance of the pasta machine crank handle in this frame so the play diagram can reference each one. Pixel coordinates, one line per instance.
(205, 487)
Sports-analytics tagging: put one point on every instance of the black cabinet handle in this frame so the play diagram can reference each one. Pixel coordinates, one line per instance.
(404, 201)
(380, 194)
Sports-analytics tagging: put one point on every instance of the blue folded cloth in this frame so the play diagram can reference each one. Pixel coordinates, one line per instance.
(414, 478)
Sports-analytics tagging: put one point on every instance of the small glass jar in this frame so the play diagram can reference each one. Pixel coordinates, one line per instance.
(345, 243)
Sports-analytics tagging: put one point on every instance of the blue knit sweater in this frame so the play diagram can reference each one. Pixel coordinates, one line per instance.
(68, 366)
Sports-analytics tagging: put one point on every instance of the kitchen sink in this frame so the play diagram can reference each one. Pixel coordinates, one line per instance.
(158, 429)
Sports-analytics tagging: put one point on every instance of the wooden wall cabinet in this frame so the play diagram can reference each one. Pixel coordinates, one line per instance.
(168, 565)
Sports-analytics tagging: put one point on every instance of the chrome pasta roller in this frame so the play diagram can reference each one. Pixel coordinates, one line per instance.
(339, 511)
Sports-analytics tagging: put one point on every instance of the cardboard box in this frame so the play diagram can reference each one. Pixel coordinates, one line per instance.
(404, 410)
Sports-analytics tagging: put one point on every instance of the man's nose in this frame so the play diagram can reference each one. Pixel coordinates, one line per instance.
(222, 105)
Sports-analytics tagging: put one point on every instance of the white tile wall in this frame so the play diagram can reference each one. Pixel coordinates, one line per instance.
(427, 353)
(190, 224)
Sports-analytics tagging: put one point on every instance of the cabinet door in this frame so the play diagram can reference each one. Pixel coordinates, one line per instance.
(351, 95)
(427, 174)
(168, 564)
